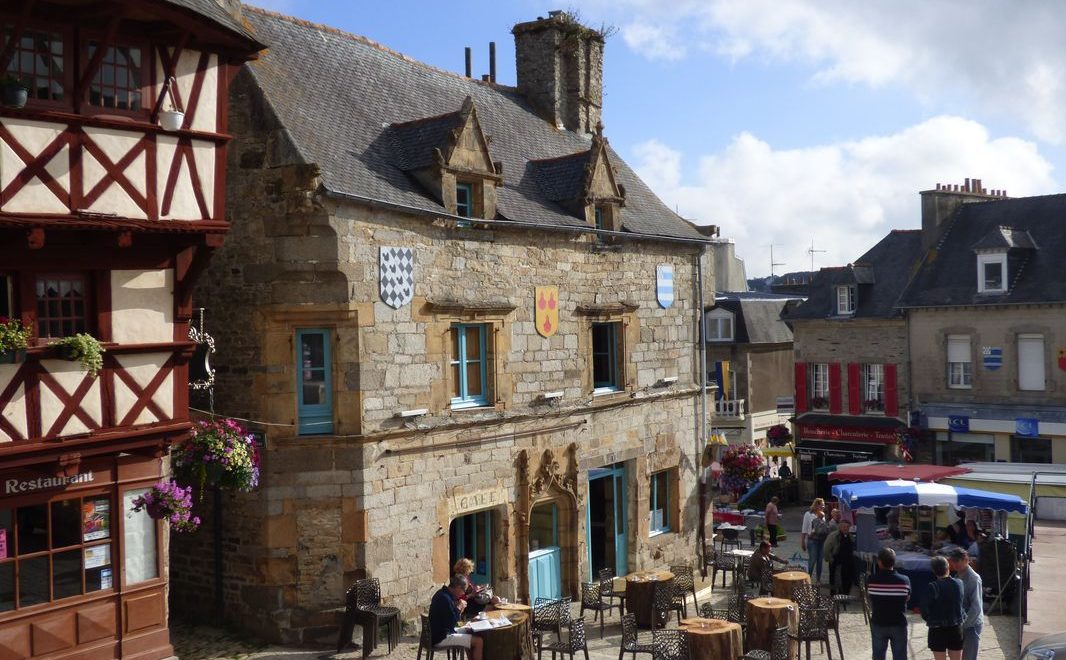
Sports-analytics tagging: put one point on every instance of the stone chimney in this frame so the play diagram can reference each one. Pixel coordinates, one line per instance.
(560, 70)
(940, 203)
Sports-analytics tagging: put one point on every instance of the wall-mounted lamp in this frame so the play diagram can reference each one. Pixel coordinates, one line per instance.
(418, 412)
(668, 380)
(549, 396)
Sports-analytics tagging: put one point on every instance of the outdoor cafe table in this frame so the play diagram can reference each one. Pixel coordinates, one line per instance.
(711, 639)
(511, 642)
(640, 592)
(785, 583)
(766, 615)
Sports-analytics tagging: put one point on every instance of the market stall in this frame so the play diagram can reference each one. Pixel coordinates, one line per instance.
(905, 515)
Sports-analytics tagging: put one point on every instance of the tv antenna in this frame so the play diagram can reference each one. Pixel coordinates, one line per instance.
(772, 262)
(811, 252)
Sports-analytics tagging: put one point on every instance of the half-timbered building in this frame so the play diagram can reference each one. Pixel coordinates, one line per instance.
(112, 152)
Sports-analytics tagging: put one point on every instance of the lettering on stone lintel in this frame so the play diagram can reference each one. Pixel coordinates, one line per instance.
(482, 499)
(12, 486)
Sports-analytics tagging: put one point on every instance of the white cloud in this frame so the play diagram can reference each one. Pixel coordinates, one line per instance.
(1004, 57)
(844, 196)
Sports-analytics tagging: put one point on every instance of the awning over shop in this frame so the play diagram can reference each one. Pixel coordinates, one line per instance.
(871, 494)
(889, 472)
(785, 451)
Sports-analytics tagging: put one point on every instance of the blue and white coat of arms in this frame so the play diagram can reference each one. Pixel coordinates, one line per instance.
(664, 285)
(396, 275)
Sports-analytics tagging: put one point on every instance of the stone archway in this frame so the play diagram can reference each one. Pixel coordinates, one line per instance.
(547, 484)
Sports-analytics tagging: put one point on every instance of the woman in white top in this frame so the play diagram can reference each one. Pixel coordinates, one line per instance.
(812, 537)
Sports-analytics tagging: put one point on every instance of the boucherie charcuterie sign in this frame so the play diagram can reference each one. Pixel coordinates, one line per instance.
(14, 486)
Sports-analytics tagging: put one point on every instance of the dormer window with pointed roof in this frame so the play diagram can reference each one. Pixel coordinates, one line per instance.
(449, 155)
(994, 256)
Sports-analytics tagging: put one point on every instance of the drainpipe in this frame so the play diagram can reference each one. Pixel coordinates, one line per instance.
(701, 438)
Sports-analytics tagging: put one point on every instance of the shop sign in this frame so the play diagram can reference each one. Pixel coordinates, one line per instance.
(786, 405)
(858, 434)
(1027, 427)
(481, 499)
(993, 357)
(16, 486)
(958, 423)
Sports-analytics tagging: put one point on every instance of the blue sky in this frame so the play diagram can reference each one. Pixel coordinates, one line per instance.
(788, 121)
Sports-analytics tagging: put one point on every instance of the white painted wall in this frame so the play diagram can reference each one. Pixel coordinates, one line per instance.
(15, 411)
(35, 197)
(69, 376)
(142, 306)
(143, 367)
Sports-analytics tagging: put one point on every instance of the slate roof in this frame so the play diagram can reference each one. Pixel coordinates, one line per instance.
(562, 178)
(949, 276)
(757, 320)
(337, 93)
(211, 9)
(1006, 238)
(881, 275)
(414, 142)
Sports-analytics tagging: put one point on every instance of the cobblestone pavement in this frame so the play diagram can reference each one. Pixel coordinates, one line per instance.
(999, 640)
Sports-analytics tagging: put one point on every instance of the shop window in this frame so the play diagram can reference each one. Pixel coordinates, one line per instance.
(964, 448)
(818, 385)
(62, 305)
(1030, 450)
(469, 365)
(846, 300)
(141, 559)
(606, 357)
(873, 377)
(56, 550)
(315, 386)
(992, 273)
(660, 503)
(37, 60)
(960, 366)
(117, 83)
(1031, 363)
(719, 325)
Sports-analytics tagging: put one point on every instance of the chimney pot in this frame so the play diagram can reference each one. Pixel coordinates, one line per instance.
(492, 61)
(469, 63)
(966, 186)
(484, 77)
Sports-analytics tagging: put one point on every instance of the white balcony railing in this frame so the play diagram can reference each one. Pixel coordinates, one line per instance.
(729, 408)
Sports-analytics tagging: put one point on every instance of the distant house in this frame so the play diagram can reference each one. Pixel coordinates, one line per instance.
(987, 325)
(851, 360)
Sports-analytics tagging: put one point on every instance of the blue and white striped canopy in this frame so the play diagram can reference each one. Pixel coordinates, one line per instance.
(870, 494)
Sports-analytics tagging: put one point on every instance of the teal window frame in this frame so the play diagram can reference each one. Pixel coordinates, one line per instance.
(659, 494)
(609, 352)
(464, 209)
(460, 359)
(599, 217)
(314, 418)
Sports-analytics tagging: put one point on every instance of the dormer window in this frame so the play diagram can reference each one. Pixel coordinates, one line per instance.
(601, 217)
(464, 200)
(992, 272)
(719, 325)
(846, 300)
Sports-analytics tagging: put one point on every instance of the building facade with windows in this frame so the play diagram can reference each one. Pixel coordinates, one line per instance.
(986, 330)
(851, 361)
(106, 220)
(466, 326)
(749, 357)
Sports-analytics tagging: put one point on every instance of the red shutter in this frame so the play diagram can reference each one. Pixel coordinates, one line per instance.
(801, 387)
(854, 389)
(891, 396)
(834, 389)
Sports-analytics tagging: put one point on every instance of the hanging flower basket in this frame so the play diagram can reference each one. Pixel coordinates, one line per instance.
(778, 435)
(14, 338)
(167, 500)
(219, 453)
(742, 465)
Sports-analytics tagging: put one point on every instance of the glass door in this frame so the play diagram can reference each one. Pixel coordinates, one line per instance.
(605, 517)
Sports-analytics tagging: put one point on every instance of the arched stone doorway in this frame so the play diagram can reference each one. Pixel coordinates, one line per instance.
(547, 530)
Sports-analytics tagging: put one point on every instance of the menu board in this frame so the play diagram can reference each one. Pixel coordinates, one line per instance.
(96, 519)
(97, 556)
(906, 520)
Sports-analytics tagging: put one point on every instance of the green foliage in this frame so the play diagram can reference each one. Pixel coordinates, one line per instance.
(85, 349)
(13, 335)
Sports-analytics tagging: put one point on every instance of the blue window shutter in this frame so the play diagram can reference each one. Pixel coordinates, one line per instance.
(314, 381)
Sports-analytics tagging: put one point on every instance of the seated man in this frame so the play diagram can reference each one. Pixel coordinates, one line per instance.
(761, 568)
(444, 612)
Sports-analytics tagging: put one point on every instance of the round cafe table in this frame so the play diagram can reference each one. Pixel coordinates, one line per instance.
(766, 615)
(785, 583)
(640, 591)
(711, 639)
(511, 642)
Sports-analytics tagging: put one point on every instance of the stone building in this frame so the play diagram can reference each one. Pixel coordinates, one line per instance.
(851, 361)
(468, 328)
(986, 325)
(108, 214)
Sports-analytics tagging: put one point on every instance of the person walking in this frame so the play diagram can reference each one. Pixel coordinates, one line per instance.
(773, 518)
(972, 605)
(943, 613)
(889, 592)
(812, 537)
(840, 555)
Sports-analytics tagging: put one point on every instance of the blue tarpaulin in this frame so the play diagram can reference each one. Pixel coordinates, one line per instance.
(872, 494)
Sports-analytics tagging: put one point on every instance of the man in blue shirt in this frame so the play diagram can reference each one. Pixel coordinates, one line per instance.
(972, 593)
(444, 612)
(889, 592)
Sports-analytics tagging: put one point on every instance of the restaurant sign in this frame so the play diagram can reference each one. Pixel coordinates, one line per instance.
(854, 433)
(15, 486)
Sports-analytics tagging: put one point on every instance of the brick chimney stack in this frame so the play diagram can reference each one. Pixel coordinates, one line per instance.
(560, 70)
(940, 203)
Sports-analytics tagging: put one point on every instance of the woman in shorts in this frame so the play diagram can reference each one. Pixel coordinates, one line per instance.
(943, 612)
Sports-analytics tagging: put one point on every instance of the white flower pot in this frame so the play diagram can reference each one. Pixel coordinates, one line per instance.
(171, 120)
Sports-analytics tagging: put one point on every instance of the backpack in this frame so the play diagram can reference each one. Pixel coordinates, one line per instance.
(819, 529)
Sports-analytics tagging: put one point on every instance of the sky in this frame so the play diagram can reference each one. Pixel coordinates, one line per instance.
(790, 124)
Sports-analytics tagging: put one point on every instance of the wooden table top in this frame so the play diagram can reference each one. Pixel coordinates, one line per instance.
(703, 626)
(770, 603)
(650, 576)
(511, 607)
(793, 576)
(514, 617)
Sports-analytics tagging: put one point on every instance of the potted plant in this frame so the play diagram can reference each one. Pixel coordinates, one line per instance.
(172, 119)
(167, 500)
(14, 337)
(218, 453)
(819, 402)
(875, 405)
(742, 465)
(85, 349)
(15, 92)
